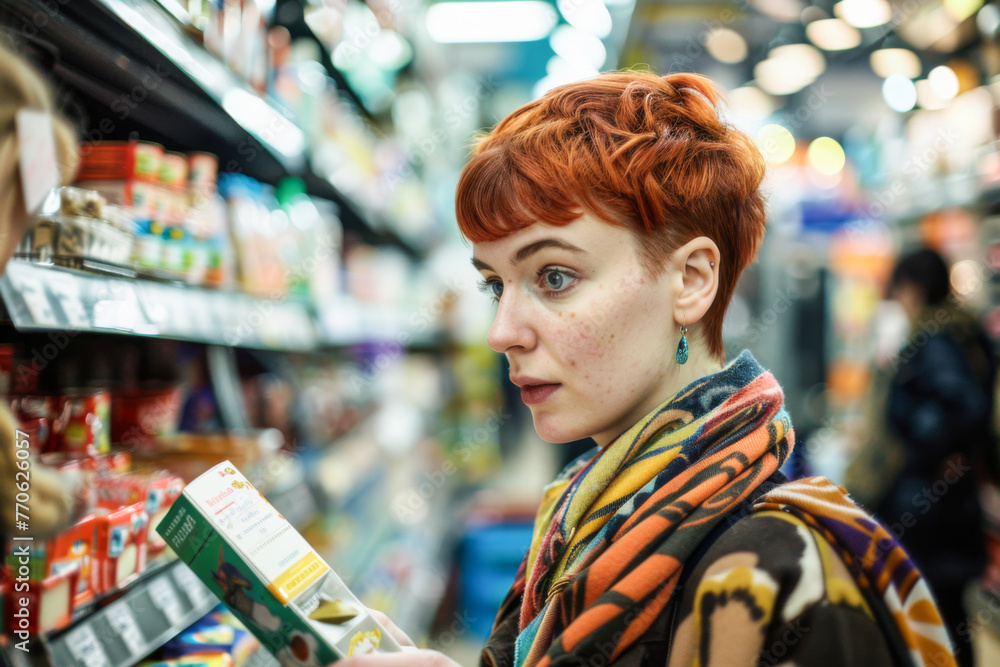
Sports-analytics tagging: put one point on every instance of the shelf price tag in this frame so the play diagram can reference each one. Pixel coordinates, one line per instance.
(123, 622)
(32, 290)
(66, 292)
(86, 648)
(165, 598)
(189, 582)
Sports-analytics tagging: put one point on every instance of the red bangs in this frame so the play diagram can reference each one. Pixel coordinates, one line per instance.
(503, 190)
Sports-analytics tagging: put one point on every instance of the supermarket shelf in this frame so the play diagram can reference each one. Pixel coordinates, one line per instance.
(155, 608)
(40, 297)
(256, 114)
(43, 297)
(137, 74)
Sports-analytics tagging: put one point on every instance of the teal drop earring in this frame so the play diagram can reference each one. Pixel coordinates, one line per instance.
(682, 347)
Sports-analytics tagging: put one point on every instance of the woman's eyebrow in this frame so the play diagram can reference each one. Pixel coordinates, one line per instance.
(529, 250)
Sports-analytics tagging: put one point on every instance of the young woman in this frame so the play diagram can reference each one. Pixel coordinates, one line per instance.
(611, 220)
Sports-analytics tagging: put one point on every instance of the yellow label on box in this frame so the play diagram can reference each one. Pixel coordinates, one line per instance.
(299, 577)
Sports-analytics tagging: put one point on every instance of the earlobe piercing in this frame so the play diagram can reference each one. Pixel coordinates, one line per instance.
(711, 263)
(682, 346)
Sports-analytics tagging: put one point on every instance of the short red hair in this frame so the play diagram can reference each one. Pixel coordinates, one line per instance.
(635, 149)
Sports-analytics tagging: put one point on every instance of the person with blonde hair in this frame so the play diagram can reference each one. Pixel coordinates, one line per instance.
(21, 87)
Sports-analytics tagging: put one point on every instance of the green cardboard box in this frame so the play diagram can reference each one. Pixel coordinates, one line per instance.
(266, 572)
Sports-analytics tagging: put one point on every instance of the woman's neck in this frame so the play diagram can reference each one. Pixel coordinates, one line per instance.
(700, 363)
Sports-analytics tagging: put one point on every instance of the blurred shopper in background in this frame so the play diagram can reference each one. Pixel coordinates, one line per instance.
(611, 220)
(52, 496)
(938, 407)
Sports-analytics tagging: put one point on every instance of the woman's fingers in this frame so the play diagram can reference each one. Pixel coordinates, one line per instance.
(396, 633)
(406, 659)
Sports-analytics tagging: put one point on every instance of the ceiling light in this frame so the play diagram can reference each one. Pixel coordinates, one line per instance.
(886, 62)
(899, 93)
(944, 81)
(826, 155)
(806, 58)
(789, 68)
(864, 13)
(578, 45)
(505, 21)
(726, 46)
(752, 103)
(589, 15)
(927, 98)
(390, 50)
(833, 34)
(776, 143)
(775, 77)
(568, 71)
(988, 20)
(781, 10)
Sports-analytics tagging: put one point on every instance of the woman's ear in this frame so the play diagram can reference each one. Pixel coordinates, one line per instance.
(696, 265)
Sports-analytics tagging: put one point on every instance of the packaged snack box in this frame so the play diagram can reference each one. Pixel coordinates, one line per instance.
(267, 574)
(121, 546)
(72, 549)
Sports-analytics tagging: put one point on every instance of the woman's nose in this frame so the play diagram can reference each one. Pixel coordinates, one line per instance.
(511, 327)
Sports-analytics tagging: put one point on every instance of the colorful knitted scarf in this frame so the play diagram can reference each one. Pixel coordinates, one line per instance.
(613, 532)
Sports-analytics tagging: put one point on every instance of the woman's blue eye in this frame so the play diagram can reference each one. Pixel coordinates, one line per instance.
(493, 288)
(555, 280)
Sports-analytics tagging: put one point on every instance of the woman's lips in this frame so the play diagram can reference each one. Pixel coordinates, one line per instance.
(533, 394)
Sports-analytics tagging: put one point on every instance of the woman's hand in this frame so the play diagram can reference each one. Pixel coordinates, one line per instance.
(396, 633)
(408, 658)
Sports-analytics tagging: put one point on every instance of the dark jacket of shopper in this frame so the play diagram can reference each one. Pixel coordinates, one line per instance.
(940, 405)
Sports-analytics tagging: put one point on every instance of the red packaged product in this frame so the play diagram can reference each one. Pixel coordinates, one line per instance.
(6, 369)
(157, 491)
(73, 549)
(112, 463)
(163, 490)
(81, 424)
(121, 547)
(34, 607)
(124, 160)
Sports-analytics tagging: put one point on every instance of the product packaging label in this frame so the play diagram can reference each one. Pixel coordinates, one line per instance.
(267, 574)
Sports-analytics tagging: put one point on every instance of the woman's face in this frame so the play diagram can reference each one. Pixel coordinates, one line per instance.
(589, 335)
